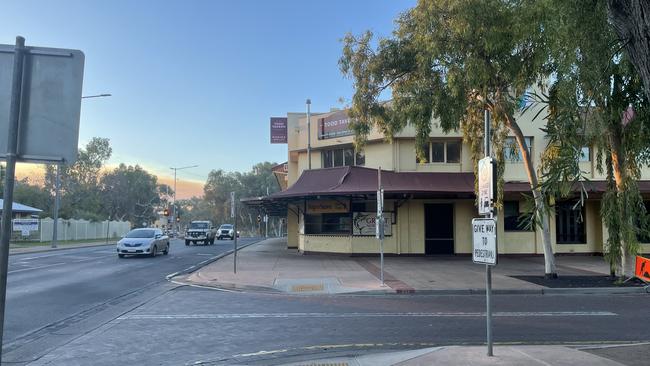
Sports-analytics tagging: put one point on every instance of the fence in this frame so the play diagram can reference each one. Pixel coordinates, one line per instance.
(74, 230)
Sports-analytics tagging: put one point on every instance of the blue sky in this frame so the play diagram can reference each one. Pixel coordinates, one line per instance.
(195, 81)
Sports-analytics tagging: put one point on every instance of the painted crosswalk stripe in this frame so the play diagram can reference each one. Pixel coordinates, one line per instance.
(367, 315)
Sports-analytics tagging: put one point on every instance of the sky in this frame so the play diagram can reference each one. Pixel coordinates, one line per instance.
(194, 82)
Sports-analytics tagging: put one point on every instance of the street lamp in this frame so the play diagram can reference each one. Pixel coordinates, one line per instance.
(57, 188)
(175, 169)
(309, 132)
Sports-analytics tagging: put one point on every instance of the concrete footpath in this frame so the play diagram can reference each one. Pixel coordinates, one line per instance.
(473, 355)
(269, 267)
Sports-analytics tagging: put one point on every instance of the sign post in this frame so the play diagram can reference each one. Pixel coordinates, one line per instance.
(233, 215)
(484, 230)
(379, 225)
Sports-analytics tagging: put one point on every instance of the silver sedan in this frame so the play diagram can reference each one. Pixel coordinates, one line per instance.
(146, 241)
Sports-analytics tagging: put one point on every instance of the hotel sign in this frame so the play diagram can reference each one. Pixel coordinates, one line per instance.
(365, 223)
(335, 125)
(327, 206)
(278, 130)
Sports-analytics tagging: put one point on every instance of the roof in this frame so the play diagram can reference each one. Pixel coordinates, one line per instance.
(20, 208)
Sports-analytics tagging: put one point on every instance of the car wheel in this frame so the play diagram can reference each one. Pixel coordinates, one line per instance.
(120, 255)
(154, 251)
(166, 251)
(187, 242)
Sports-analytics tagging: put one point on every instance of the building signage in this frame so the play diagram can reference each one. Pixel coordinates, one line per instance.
(642, 268)
(335, 125)
(278, 130)
(327, 206)
(365, 223)
(25, 226)
(484, 237)
(485, 185)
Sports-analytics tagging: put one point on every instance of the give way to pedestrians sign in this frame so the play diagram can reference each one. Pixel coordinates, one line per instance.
(484, 237)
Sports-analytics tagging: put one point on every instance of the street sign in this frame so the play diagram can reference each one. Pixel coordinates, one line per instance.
(232, 204)
(642, 269)
(379, 220)
(50, 103)
(484, 237)
(486, 185)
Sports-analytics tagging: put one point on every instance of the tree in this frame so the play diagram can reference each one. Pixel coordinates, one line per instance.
(597, 99)
(631, 21)
(450, 61)
(130, 193)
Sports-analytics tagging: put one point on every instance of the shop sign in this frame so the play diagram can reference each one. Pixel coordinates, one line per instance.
(335, 125)
(278, 130)
(364, 223)
(25, 226)
(327, 206)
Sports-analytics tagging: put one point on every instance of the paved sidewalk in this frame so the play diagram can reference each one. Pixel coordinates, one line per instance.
(473, 355)
(269, 266)
(48, 248)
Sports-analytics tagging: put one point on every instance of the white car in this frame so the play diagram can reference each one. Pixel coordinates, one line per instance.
(226, 231)
(146, 241)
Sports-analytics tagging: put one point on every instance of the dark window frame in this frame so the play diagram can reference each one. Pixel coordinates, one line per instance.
(428, 151)
(514, 222)
(570, 225)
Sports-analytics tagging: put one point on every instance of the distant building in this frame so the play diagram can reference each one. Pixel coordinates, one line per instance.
(20, 211)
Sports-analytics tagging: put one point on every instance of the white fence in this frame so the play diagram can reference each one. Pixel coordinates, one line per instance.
(75, 230)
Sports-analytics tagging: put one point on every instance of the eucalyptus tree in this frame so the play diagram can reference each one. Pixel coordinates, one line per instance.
(597, 100)
(449, 61)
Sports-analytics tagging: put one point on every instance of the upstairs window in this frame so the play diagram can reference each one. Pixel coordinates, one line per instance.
(511, 151)
(342, 157)
(585, 154)
(442, 152)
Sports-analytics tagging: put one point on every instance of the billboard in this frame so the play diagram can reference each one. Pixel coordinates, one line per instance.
(278, 130)
(335, 125)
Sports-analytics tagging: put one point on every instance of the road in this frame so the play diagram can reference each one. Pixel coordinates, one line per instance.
(49, 287)
(87, 307)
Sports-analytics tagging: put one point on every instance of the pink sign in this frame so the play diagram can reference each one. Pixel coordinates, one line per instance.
(278, 130)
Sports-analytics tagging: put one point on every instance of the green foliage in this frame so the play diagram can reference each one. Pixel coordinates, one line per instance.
(130, 193)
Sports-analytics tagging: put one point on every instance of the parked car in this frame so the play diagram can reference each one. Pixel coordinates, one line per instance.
(200, 231)
(145, 241)
(226, 231)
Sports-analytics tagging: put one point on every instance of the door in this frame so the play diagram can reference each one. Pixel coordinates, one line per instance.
(439, 228)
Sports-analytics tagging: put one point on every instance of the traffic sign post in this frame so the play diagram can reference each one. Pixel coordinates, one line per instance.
(379, 225)
(233, 215)
(484, 230)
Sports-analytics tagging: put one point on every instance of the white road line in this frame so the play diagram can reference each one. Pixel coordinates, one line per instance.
(58, 264)
(366, 315)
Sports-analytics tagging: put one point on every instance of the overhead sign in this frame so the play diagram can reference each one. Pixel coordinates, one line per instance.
(334, 125)
(642, 268)
(484, 238)
(25, 225)
(327, 206)
(278, 130)
(365, 223)
(486, 185)
(51, 103)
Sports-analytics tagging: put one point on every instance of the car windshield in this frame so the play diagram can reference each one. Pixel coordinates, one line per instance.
(141, 234)
(226, 227)
(199, 225)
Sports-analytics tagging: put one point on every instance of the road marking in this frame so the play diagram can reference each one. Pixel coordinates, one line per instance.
(205, 254)
(366, 315)
(58, 264)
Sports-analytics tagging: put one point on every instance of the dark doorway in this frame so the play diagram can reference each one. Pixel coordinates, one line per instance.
(439, 228)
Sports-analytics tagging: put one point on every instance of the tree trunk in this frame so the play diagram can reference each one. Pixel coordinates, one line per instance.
(631, 21)
(620, 174)
(549, 258)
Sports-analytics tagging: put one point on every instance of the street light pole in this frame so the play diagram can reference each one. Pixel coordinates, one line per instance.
(57, 188)
(176, 169)
(309, 132)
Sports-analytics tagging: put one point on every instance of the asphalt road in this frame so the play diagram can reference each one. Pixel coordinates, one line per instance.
(50, 287)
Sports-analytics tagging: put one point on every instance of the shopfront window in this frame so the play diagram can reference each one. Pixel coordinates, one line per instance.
(328, 224)
(512, 218)
(570, 223)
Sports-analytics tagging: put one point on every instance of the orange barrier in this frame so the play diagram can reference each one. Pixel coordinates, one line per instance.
(642, 269)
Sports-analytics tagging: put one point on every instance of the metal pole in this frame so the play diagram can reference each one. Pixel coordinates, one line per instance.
(379, 223)
(309, 132)
(12, 151)
(108, 225)
(57, 205)
(174, 204)
(488, 268)
(234, 209)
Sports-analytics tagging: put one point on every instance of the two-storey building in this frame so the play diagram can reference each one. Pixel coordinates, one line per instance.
(429, 205)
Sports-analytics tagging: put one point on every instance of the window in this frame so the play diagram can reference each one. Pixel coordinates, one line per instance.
(643, 236)
(511, 151)
(442, 152)
(569, 223)
(585, 154)
(332, 224)
(342, 157)
(512, 219)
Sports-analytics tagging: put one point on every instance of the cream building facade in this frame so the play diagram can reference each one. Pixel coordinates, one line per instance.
(330, 208)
